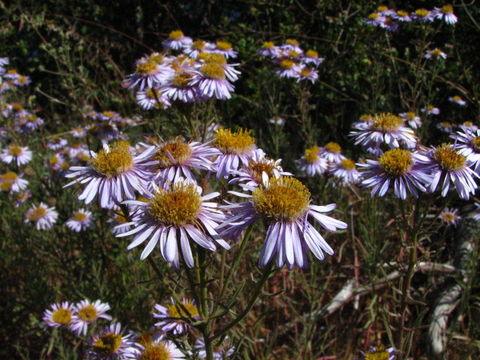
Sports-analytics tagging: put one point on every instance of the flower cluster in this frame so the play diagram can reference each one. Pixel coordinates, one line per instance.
(292, 61)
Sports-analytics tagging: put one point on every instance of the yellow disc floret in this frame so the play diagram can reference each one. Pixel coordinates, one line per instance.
(287, 64)
(213, 58)
(107, 344)
(62, 316)
(311, 54)
(284, 199)
(213, 71)
(380, 354)
(224, 45)
(333, 147)
(176, 35)
(182, 79)
(347, 164)
(448, 158)
(475, 142)
(386, 122)
(88, 313)
(80, 216)
(156, 351)
(396, 162)
(239, 142)
(148, 67)
(311, 154)
(114, 161)
(37, 213)
(292, 42)
(257, 168)
(179, 150)
(447, 9)
(187, 310)
(15, 150)
(422, 12)
(268, 45)
(177, 206)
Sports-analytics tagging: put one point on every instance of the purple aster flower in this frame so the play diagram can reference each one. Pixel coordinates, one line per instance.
(43, 216)
(467, 143)
(269, 49)
(113, 175)
(397, 167)
(284, 204)
(177, 41)
(212, 81)
(450, 216)
(312, 163)
(80, 221)
(11, 181)
(423, 15)
(225, 48)
(401, 15)
(158, 348)
(86, 313)
(331, 152)
(412, 119)
(435, 54)
(378, 352)
(176, 318)
(59, 314)
(20, 155)
(446, 14)
(110, 344)
(152, 98)
(345, 171)
(288, 68)
(150, 72)
(457, 100)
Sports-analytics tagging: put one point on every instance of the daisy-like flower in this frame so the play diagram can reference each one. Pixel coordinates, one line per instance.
(308, 74)
(110, 344)
(423, 15)
(311, 57)
(150, 73)
(445, 126)
(180, 87)
(269, 49)
(21, 198)
(20, 155)
(457, 100)
(11, 181)
(450, 216)
(446, 14)
(113, 175)
(402, 16)
(435, 54)
(176, 157)
(385, 11)
(43, 216)
(289, 69)
(412, 119)
(449, 166)
(237, 149)
(468, 126)
(222, 351)
(387, 129)
(345, 171)
(177, 40)
(284, 204)
(78, 132)
(59, 314)
(22, 80)
(196, 48)
(152, 98)
(86, 313)
(80, 221)
(399, 168)
(176, 318)
(230, 72)
(156, 349)
(375, 19)
(389, 24)
(430, 110)
(312, 163)
(173, 216)
(332, 152)
(120, 223)
(378, 353)
(211, 80)
(57, 143)
(225, 48)
(467, 143)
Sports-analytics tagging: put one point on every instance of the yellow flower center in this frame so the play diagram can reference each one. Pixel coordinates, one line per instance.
(224, 45)
(396, 162)
(283, 199)
(177, 149)
(257, 168)
(311, 154)
(22, 79)
(347, 164)
(80, 216)
(15, 150)
(177, 206)
(311, 54)
(379, 355)
(156, 57)
(37, 213)
(293, 54)
(457, 98)
(11, 71)
(386, 122)
(333, 147)
(176, 35)
(446, 124)
(448, 158)
(145, 338)
(62, 316)
(107, 344)
(114, 162)
(17, 108)
(109, 114)
(411, 115)
(448, 217)
(268, 45)
(6, 186)
(239, 142)
(422, 12)
(447, 9)
(213, 71)
(88, 313)
(147, 67)
(213, 58)
(436, 52)
(286, 64)
(475, 142)
(120, 219)
(366, 117)
(10, 176)
(292, 42)
(382, 8)
(199, 44)
(181, 79)
(305, 72)
(373, 16)
(402, 13)
(156, 351)
(188, 310)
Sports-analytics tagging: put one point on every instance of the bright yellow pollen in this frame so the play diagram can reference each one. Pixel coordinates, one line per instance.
(145, 338)
(199, 44)
(448, 158)
(311, 154)
(80, 216)
(411, 115)
(347, 164)
(9, 176)
(17, 107)
(379, 355)
(366, 117)
(156, 57)
(176, 35)
(284, 199)
(238, 142)
(88, 313)
(147, 67)
(373, 16)
(109, 114)
(311, 54)
(286, 64)
(293, 54)
(382, 8)
(402, 13)
(22, 79)
(448, 217)
(333, 147)
(446, 124)
(11, 71)
(213, 71)
(268, 45)
(257, 168)
(224, 45)
(156, 351)
(396, 162)
(62, 316)
(114, 162)
(181, 79)
(422, 12)
(292, 42)
(213, 58)
(436, 52)
(457, 98)
(37, 213)
(177, 206)
(120, 219)
(475, 142)
(177, 311)
(386, 122)
(6, 186)
(15, 150)
(179, 150)
(305, 72)
(447, 9)
(107, 344)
